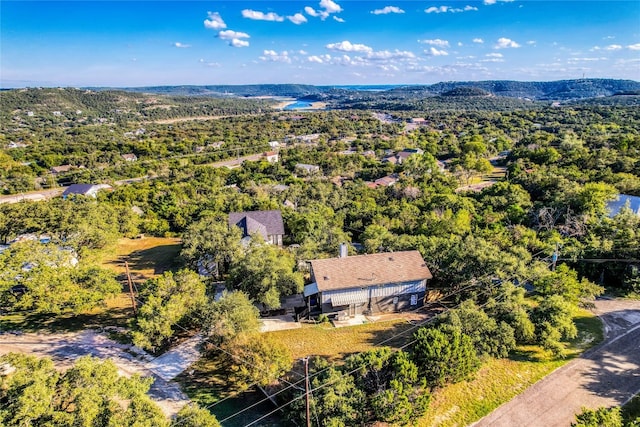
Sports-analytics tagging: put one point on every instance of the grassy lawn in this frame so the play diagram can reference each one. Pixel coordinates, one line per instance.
(148, 257)
(336, 343)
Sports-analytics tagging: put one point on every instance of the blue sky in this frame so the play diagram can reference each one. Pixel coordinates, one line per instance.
(323, 42)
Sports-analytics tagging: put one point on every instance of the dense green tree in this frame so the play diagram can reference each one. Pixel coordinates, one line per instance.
(266, 273)
(553, 323)
(564, 282)
(395, 393)
(444, 354)
(488, 336)
(601, 417)
(192, 415)
(211, 244)
(168, 300)
(90, 394)
(45, 278)
(230, 316)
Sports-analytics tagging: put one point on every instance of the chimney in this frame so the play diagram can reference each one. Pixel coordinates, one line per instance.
(344, 251)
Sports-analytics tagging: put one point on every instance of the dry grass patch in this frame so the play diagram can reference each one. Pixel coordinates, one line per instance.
(336, 343)
(148, 257)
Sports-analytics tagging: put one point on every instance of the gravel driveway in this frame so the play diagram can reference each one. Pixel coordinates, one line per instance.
(65, 348)
(607, 375)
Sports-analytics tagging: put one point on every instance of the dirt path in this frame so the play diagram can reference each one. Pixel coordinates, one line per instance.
(65, 348)
(607, 375)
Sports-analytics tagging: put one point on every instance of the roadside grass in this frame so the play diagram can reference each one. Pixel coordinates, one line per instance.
(500, 380)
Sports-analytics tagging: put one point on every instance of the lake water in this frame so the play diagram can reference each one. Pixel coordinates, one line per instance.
(298, 105)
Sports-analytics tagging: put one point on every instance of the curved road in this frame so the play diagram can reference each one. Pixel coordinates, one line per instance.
(606, 375)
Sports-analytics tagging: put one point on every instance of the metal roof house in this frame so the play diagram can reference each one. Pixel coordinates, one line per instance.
(84, 189)
(268, 224)
(367, 284)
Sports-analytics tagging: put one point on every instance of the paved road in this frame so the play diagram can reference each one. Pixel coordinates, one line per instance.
(607, 375)
(65, 348)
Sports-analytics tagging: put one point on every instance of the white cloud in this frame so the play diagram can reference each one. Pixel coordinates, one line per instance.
(613, 47)
(460, 44)
(435, 42)
(494, 55)
(311, 11)
(338, 19)
(330, 6)
(327, 7)
(432, 51)
(478, 40)
(181, 45)
(444, 9)
(214, 22)
(386, 54)
(238, 43)
(490, 2)
(209, 64)
(504, 43)
(297, 19)
(634, 46)
(230, 34)
(531, 42)
(347, 46)
(273, 56)
(319, 59)
(434, 9)
(234, 37)
(261, 16)
(386, 10)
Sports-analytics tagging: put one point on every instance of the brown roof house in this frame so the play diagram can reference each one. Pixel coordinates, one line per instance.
(367, 284)
(266, 223)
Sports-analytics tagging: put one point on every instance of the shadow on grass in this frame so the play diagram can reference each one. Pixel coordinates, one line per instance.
(29, 322)
(208, 382)
(155, 260)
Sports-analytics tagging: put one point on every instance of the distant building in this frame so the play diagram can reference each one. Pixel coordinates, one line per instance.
(374, 283)
(130, 157)
(268, 224)
(401, 156)
(61, 169)
(84, 189)
(633, 202)
(271, 156)
(307, 169)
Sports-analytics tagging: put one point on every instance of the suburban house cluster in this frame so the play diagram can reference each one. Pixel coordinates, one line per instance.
(348, 285)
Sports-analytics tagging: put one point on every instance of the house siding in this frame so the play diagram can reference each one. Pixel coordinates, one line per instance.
(374, 299)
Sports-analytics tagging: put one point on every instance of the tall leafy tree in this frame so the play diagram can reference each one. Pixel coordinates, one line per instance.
(444, 355)
(266, 273)
(90, 394)
(168, 300)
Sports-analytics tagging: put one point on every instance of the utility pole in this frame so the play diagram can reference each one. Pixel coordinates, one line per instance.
(306, 384)
(133, 299)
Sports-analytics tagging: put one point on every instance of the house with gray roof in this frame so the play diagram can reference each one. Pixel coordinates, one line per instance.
(84, 189)
(367, 284)
(268, 224)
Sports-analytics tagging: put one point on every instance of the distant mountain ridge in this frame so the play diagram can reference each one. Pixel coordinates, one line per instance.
(560, 90)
